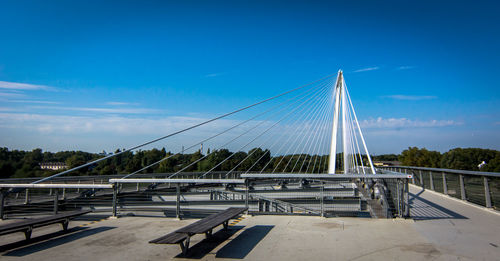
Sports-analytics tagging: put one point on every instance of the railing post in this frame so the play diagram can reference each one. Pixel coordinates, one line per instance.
(115, 196)
(27, 198)
(398, 196)
(487, 196)
(431, 180)
(407, 198)
(56, 201)
(2, 203)
(421, 179)
(246, 195)
(64, 194)
(137, 187)
(445, 186)
(178, 201)
(322, 203)
(462, 186)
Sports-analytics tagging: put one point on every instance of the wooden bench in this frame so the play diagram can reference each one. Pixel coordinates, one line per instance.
(27, 225)
(182, 236)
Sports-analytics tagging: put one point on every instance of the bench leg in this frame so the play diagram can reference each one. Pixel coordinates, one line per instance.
(226, 224)
(208, 234)
(27, 233)
(65, 224)
(185, 245)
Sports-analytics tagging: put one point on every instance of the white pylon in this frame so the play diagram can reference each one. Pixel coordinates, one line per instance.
(350, 129)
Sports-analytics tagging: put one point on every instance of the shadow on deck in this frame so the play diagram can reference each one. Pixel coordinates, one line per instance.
(423, 209)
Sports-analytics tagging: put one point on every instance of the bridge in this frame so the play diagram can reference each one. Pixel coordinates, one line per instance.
(292, 178)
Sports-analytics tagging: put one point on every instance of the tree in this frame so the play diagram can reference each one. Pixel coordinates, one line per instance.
(414, 156)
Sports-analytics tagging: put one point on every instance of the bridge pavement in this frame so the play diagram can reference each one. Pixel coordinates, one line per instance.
(442, 229)
(454, 226)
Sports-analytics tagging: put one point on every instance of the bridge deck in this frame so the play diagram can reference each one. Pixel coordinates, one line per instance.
(443, 229)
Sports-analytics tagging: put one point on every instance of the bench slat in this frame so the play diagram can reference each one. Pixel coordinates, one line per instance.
(37, 222)
(200, 226)
(211, 221)
(172, 238)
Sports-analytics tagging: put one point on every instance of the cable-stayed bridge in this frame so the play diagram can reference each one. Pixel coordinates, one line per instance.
(292, 163)
(301, 152)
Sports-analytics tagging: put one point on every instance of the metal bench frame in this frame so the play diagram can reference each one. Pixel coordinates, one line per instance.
(27, 226)
(183, 235)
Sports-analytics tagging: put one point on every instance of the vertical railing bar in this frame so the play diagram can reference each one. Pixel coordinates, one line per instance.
(445, 186)
(462, 187)
(431, 180)
(2, 204)
(115, 196)
(487, 196)
(178, 201)
(56, 201)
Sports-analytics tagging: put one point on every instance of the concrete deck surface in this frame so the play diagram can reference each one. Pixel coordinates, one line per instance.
(443, 229)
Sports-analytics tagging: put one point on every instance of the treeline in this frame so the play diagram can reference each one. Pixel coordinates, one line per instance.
(22, 164)
(464, 159)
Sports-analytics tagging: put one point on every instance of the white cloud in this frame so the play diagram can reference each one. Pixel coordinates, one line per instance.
(24, 86)
(33, 101)
(114, 103)
(410, 97)
(101, 110)
(367, 69)
(405, 123)
(214, 74)
(405, 67)
(11, 95)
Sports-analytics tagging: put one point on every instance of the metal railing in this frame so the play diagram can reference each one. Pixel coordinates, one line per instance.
(188, 196)
(481, 188)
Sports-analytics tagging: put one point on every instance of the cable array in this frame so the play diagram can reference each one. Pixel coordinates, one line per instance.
(287, 133)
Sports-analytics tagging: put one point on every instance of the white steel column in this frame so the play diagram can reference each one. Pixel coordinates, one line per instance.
(333, 144)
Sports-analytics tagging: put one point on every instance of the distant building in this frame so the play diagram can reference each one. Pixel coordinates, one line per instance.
(53, 165)
(386, 163)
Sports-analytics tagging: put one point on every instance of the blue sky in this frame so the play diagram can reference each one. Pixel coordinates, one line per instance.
(96, 75)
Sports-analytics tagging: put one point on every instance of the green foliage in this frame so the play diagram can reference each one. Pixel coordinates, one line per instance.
(21, 164)
(416, 157)
(470, 158)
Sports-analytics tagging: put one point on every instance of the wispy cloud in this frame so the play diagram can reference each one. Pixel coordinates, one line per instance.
(33, 101)
(102, 110)
(405, 67)
(114, 103)
(11, 95)
(78, 125)
(405, 123)
(214, 74)
(24, 86)
(410, 97)
(367, 69)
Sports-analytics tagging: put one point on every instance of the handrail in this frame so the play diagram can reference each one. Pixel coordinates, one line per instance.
(454, 171)
(466, 192)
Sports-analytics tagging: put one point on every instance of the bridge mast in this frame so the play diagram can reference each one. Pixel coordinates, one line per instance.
(349, 136)
(333, 144)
